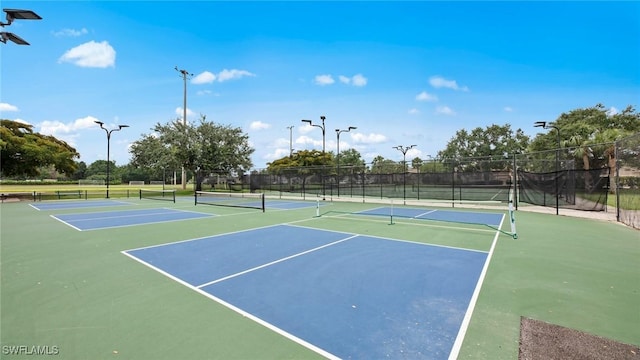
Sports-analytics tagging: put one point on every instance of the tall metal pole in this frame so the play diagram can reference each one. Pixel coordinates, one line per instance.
(545, 125)
(290, 140)
(557, 170)
(120, 127)
(404, 150)
(185, 74)
(323, 150)
(338, 131)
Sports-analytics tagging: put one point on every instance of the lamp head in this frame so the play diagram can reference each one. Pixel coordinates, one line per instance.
(307, 121)
(542, 124)
(322, 117)
(352, 128)
(123, 126)
(99, 123)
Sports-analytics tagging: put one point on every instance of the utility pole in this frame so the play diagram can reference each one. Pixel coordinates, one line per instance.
(185, 75)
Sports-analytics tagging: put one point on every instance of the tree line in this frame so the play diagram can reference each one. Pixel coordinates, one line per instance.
(205, 147)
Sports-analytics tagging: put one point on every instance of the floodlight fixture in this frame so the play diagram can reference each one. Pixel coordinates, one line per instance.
(322, 127)
(551, 125)
(4, 36)
(18, 14)
(403, 150)
(338, 132)
(120, 127)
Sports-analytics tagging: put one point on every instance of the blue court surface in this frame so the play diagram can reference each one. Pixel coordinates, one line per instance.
(62, 205)
(342, 295)
(111, 219)
(467, 217)
(289, 204)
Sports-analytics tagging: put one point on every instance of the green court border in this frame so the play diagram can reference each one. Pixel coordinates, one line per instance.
(76, 291)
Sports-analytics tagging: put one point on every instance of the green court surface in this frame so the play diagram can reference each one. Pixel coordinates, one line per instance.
(75, 292)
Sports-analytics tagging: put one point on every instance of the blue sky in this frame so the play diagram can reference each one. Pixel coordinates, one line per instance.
(401, 72)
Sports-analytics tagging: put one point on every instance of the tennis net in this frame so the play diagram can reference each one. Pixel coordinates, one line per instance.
(167, 195)
(241, 200)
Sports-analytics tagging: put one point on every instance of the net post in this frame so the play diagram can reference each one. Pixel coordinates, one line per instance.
(512, 219)
(263, 205)
(391, 213)
(318, 207)
(140, 193)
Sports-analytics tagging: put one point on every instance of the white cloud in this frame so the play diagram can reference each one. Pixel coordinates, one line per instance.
(359, 80)
(22, 121)
(277, 154)
(445, 110)
(508, 109)
(305, 129)
(91, 54)
(205, 77)
(356, 80)
(306, 140)
(259, 125)
(70, 32)
(324, 80)
(57, 127)
(8, 107)
(424, 96)
(440, 82)
(370, 138)
(68, 131)
(413, 153)
(180, 113)
(225, 74)
(414, 111)
(613, 111)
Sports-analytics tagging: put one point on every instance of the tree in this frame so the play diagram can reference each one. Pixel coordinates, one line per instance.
(590, 134)
(201, 148)
(351, 162)
(416, 163)
(484, 144)
(380, 165)
(152, 156)
(23, 152)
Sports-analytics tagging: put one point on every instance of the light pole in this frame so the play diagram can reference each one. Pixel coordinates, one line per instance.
(404, 150)
(185, 74)
(323, 148)
(16, 14)
(290, 140)
(338, 132)
(120, 127)
(545, 125)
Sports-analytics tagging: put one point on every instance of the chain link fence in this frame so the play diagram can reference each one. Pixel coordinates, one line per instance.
(627, 180)
(598, 177)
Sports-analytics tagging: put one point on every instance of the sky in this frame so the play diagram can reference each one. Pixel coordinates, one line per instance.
(402, 73)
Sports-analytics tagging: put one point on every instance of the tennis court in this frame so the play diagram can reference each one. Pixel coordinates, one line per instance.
(299, 281)
(335, 293)
(111, 219)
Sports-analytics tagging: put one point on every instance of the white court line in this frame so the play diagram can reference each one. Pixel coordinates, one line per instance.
(66, 223)
(457, 345)
(124, 216)
(248, 315)
(425, 213)
(274, 262)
